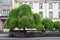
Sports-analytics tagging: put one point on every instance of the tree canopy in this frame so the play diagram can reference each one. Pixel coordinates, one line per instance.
(22, 17)
(48, 24)
(57, 25)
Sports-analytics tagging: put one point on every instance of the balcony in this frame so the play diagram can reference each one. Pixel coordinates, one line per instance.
(3, 15)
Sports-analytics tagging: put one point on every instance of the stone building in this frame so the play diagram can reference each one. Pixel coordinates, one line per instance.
(5, 6)
(46, 8)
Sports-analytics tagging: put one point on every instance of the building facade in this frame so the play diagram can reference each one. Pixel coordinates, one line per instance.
(46, 8)
(5, 6)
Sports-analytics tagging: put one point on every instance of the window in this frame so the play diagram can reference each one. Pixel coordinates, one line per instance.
(31, 4)
(20, 3)
(59, 14)
(25, 2)
(40, 5)
(41, 14)
(6, 2)
(4, 12)
(58, 5)
(50, 14)
(50, 6)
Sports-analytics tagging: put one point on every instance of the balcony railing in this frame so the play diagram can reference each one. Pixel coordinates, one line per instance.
(4, 15)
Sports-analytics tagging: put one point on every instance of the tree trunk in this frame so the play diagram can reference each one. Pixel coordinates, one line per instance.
(43, 30)
(25, 32)
(59, 30)
(11, 30)
(24, 29)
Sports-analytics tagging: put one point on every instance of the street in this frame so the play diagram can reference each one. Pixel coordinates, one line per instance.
(40, 38)
(5, 37)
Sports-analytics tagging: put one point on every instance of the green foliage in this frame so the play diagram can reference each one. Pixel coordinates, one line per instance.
(37, 18)
(20, 17)
(12, 23)
(6, 24)
(40, 27)
(48, 24)
(26, 22)
(38, 22)
(14, 13)
(25, 17)
(57, 25)
(25, 10)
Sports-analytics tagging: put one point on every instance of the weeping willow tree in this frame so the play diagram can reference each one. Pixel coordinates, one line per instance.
(11, 21)
(25, 17)
(22, 17)
(38, 21)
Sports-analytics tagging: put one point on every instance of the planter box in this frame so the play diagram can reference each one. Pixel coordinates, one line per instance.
(22, 34)
(17, 33)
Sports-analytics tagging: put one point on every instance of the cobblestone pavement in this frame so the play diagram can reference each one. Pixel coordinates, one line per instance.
(5, 37)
